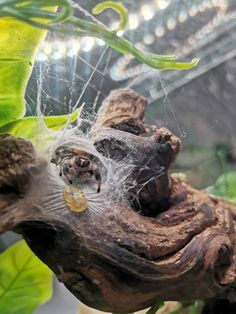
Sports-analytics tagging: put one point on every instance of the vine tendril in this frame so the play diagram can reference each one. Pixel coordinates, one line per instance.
(119, 8)
(34, 12)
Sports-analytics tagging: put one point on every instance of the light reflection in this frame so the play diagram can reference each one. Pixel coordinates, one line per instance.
(201, 7)
(183, 16)
(148, 39)
(56, 55)
(159, 31)
(100, 42)
(86, 43)
(58, 49)
(171, 23)
(40, 56)
(133, 21)
(147, 12)
(73, 46)
(47, 49)
(163, 4)
(193, 11)
(120, 33)
(114, 25)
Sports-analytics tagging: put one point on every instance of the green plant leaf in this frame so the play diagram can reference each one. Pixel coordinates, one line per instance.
(225, 187)
(196, 307)
(25, 282)
(118, 7)
(27, 127)
(70, 25)
(179, 175)
(18, 44)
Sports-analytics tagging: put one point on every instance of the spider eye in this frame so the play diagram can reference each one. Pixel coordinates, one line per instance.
(86, 163)
(78, 161)
(66, 169)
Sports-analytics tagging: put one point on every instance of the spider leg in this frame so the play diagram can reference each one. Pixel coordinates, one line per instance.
(62, 165)
(66, 172)
(61, 170)
(99, 180)
(68, 177)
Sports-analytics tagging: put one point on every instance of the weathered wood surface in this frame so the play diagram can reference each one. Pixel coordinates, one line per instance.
(163, 240)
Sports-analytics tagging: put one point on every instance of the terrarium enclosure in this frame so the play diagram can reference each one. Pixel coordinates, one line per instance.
(120, 196)
(193, 104)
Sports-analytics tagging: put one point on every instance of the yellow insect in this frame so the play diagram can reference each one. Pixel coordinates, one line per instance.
(75, 199)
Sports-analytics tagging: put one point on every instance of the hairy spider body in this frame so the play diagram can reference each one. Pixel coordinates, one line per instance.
(78, 166)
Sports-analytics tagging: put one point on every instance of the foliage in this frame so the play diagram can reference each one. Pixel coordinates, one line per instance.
(225, 187)
(119, 8)
(22, 27)
(18, 43)
(64, 22)
(179, 175)
(28, 127)
(25, 282)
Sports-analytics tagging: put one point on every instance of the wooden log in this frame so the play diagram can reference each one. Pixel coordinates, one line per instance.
(146, 237)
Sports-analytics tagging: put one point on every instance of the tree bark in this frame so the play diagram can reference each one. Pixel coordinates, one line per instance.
(146, 237)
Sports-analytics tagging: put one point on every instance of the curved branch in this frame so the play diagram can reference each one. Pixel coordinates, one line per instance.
(145, 237)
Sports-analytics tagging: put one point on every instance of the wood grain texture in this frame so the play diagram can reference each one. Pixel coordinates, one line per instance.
(163, 240)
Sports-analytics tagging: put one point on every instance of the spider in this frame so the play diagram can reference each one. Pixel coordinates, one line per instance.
(78, 166)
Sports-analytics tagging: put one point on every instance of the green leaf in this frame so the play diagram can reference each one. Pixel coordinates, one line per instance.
(18, 43)
(196, 308)
(118, 7)
(71, 25)
(28, 127)
(179, 175)
(225, 187)
(25, 282)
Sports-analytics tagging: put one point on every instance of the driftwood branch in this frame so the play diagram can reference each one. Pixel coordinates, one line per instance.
(121, 253)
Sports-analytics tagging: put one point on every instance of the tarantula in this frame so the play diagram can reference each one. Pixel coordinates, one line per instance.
(77, 165)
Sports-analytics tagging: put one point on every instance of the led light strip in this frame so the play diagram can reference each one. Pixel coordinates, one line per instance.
(60, 49)
(121, 70)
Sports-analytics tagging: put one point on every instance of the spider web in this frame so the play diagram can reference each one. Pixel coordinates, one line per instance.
(188, 103)
(198, 106)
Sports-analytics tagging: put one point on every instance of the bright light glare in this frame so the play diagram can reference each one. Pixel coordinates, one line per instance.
(47, 49)
(183, 16)
(193, 10)
(59, 50)
(73, 47)
(162, 4)
(171, 23)
(56, 55)
(159, 31)
(120, 33)
(87, 43)
(41, 56)
(147, 12)
(114, 25)
(148, 39)
(100, 42)
(133, 21)
(201, 7)
(62, 49)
